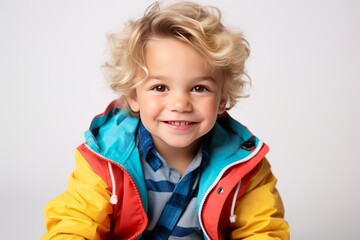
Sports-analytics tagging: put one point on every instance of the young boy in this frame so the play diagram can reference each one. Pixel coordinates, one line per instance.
(166, 161)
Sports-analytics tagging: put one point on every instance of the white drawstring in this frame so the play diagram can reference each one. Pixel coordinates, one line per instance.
(113, 198)
(232, 212)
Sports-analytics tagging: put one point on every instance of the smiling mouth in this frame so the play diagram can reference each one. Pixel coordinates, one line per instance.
(178, 123)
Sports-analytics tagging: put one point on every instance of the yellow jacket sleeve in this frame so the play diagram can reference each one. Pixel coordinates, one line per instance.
(260, 211)
(82, 212)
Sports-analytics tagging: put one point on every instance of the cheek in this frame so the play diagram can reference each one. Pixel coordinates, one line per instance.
(149, 105)
(210, 108)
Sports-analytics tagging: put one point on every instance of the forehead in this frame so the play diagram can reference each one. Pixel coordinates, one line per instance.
(174, 56)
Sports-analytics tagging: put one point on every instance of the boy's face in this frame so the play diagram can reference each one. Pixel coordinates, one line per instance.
(182, 97)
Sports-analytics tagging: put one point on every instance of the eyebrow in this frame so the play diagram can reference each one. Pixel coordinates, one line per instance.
(201, 78)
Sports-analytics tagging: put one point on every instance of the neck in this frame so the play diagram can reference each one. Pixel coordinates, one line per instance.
(179, 158)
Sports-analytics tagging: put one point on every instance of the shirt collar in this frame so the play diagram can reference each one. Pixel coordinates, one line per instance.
(147, 148)
(145, 141)
(149, 152)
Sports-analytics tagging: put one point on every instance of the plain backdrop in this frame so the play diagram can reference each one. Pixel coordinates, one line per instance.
(305, 69)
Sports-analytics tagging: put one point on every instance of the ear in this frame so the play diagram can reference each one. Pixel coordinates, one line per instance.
(132, 101)
(222, 104)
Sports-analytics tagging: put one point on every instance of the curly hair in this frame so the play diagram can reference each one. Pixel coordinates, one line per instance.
(199, 26)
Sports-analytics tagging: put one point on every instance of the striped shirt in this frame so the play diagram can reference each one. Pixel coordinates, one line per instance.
(170, 194)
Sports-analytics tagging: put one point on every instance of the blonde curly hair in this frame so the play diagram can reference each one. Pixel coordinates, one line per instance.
(199, 26)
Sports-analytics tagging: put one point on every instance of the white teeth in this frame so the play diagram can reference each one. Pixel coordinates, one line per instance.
(179, 123)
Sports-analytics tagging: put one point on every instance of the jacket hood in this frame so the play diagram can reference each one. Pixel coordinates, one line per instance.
(112, 134)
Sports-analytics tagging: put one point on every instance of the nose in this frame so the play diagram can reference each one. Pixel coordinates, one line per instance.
(179, 102)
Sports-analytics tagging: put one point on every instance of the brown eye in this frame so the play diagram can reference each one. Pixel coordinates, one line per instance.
(160, 88)
(199, 88)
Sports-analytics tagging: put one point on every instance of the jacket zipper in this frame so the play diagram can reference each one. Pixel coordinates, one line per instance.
(132, 180)
(218, 178)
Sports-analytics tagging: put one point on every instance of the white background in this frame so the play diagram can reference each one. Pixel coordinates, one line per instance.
(305, 68)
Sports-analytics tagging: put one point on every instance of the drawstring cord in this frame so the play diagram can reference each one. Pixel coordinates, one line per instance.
(232, 212)
(113, 198)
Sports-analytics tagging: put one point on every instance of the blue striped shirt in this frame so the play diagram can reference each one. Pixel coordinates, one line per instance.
(170, 194)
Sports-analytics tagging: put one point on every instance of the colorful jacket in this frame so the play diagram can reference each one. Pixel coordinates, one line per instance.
(106, 196)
